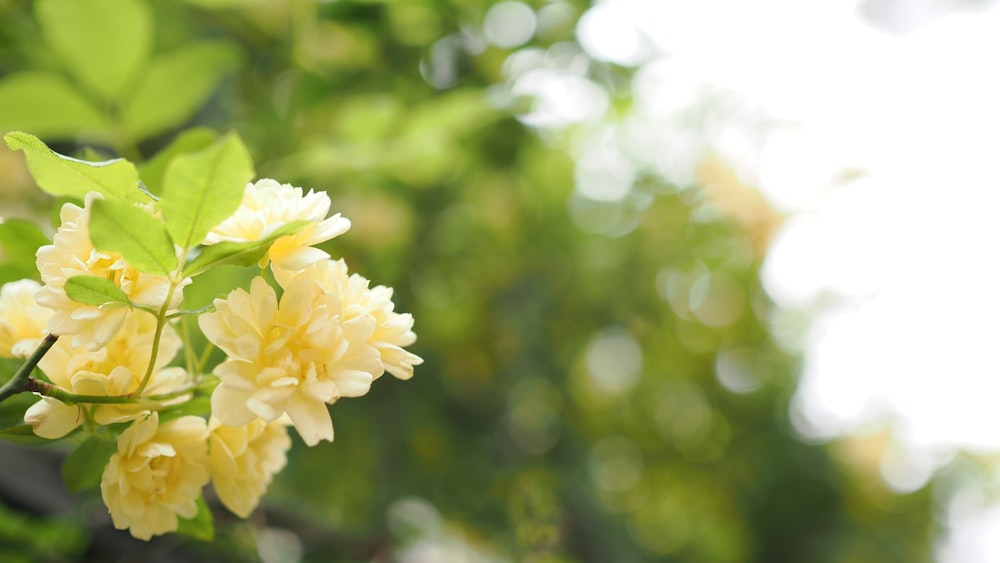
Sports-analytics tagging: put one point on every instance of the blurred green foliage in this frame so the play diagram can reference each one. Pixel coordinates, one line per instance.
(570, 407)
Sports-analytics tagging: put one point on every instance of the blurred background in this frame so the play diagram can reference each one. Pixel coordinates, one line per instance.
(694, 281)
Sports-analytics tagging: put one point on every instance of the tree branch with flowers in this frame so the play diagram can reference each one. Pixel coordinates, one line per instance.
(100, 333)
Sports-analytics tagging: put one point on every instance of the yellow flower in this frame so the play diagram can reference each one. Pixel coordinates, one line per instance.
(22, 321)
(243, 460)
(72, 254)
(268, 206)
(115, 370)
(294, 357)
(156, 475)
(392, 330)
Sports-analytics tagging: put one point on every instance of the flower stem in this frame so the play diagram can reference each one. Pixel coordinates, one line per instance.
(35, 386)
(17, 383)
(161, 319)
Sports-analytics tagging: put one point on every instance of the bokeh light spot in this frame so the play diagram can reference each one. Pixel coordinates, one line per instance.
(608, 33)
(509, 24)
(614, 360)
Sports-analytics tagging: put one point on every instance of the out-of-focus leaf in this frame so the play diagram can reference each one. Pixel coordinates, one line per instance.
(47, 105)
(158, 103)
(457, 112)
(19, 240)
(101, 42)
(239, 253)
(201, 526)
(118, 226)
(22, 434)
(94, 290)
(61, 175)
(225, 4)
(83, 466)
(192, 140)
(201, 189)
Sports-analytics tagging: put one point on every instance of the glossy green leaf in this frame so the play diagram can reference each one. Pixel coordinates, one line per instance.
(61, 175)
(48, 105)
(201, 189)
(83, 466)
(192, 140)
(239, 253)
(20, 240)
(22, 434)
(201, 526)
(157, 104)
(94, 290)
(102, 43)
(118, 226)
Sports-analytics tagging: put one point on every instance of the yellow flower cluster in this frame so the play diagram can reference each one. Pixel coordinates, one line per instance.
(323, 335)
(22, 321)
(114, 370)
(156, 475)
(328, 336)
(72, 254)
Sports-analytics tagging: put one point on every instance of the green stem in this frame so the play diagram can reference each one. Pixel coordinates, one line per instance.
(160, 321)
(17, 383)
(205, 355)
(35, 386)
(189, 359)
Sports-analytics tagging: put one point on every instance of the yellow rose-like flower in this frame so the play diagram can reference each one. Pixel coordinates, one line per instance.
(243, 460)
(392, 330)
(156, 475)
(294, 357)
(72, 254)
(115, 370)
(22, 321)
(268, 206)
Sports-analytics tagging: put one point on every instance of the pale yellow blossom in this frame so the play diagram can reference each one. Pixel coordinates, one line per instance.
(266, 207)
(72, 254)
(115, 370)
(294, 357)
(393, 330)
(156, 475)
(53, 419)
(22, 321)
(243, 460)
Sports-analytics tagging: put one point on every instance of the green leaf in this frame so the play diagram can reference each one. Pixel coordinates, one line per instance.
(94, 290)
(225, 4)
(192, 140)
(238, 253)
(157, 104)
(48, 105)
(61, 175)
(14, 272)
(83, 466)
(201, 189)
(119, 226)
(101, 42)
(22, 434)
(20, 240)
(200, 527)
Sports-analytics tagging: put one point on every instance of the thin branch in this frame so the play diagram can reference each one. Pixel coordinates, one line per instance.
(33, 385)
(160, 321)
(19, 381)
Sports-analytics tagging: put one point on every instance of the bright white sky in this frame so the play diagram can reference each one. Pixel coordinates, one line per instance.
(905, 257)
